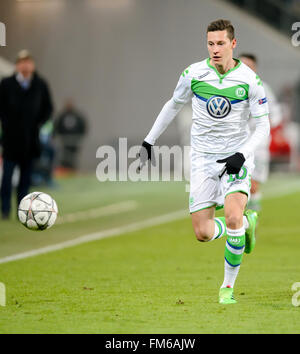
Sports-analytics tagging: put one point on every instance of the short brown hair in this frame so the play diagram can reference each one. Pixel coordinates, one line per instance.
(249, 56)
(221, 25)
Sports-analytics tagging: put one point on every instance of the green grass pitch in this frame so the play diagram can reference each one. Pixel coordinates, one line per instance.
(157, 279)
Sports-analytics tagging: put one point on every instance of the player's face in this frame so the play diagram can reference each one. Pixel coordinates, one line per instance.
(220, 47)
(249, 62)
(26, 67)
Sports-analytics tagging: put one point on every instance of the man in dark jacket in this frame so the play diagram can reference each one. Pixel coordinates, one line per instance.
(70, 126)
(25, 104)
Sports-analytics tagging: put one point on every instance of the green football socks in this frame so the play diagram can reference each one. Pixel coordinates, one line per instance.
(234, 250)
(220, 228)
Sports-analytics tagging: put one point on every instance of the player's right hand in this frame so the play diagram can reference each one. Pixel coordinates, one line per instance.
(146, 153)
(233, 163)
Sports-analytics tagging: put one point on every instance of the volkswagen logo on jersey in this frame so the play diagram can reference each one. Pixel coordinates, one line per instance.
(218, 106)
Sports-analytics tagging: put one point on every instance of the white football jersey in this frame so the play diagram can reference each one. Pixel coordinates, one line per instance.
(221, 105)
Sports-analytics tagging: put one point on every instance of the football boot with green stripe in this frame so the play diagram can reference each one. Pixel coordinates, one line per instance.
(226, 296)
(251, 216)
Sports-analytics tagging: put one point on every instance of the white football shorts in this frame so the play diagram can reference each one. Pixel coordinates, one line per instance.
(207, 189)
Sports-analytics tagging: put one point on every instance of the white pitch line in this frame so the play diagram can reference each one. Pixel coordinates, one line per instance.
(281, 190)
(119, 231)
(99, 235)
(116, 208)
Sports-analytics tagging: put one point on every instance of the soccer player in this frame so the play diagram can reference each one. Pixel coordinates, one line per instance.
(224, 91)
(261, 154)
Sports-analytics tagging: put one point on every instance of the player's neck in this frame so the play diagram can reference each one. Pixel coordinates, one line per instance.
(222, 69)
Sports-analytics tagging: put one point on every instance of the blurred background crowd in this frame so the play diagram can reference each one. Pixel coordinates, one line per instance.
(109, 66)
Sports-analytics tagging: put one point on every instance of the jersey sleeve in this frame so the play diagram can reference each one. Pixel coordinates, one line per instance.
(183, 92)
(258, 102)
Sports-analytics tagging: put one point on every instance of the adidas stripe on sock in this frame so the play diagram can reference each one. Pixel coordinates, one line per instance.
(220, 228)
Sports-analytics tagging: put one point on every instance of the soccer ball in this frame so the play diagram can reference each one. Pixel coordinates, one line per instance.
(37, 211)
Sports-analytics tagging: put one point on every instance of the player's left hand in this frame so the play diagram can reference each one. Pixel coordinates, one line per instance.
(233, 163)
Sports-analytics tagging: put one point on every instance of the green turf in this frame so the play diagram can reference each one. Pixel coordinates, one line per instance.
(156, 280)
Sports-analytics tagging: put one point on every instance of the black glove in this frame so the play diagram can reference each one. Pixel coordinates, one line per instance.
(233, 163)
(146, 154)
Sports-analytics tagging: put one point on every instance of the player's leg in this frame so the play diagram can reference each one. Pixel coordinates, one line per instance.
(259, 176)
(234, 207)
(204, 192)
(255, 201)
(231, 185)
(206, 226)
(6, 187)
(235, 204)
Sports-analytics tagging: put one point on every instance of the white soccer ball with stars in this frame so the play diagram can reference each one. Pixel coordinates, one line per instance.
(37, 211)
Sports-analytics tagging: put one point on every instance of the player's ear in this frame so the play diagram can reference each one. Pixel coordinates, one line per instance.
(233, 43)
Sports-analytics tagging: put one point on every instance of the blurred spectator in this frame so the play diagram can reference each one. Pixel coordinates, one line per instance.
(42, 173)
(70, 127)
(260, 173)
(296, 102)
(25, 104)
(293, 5)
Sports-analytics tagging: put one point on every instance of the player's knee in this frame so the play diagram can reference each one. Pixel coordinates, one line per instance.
(201, 234)
(234, 221)
(254, 186)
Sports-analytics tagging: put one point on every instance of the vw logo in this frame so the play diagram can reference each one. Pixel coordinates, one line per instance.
(218, 106)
